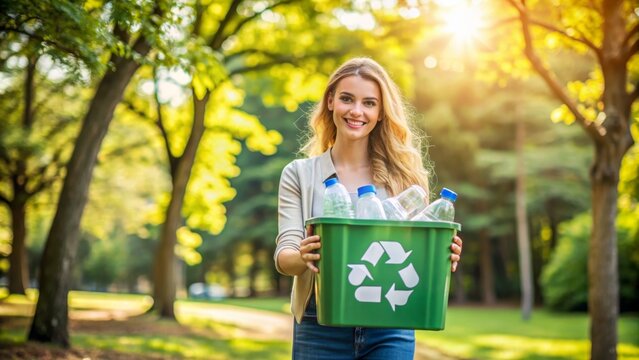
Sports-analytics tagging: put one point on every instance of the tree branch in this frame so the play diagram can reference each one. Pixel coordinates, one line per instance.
(247, 19)
(5, 199)
(42, 40)
(258, 67)
(632, 50)
(634, 31)
(582, 39)
(218, 37)
(45, 182)
(173, 160)
(120, 150)
(595, 132)
(56, 163)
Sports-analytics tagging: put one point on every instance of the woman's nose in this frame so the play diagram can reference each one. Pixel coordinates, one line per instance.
(356, 110)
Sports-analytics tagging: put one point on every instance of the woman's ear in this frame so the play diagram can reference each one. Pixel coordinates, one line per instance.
(329, 101)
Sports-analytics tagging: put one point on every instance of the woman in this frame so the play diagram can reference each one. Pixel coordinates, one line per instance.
(361, 135)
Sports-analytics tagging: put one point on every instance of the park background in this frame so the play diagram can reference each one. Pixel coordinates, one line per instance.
(136, 134)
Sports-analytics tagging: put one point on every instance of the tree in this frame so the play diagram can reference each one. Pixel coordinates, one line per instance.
(602, 107)
(233, 39)
(27, 167)
(50, 322)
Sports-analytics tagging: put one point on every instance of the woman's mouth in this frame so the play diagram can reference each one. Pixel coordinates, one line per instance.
(355, 123)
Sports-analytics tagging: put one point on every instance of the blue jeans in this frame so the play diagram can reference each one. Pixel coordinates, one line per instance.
(312, 341)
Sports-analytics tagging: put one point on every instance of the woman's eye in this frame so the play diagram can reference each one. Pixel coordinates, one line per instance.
(370, 103)
(345, 98)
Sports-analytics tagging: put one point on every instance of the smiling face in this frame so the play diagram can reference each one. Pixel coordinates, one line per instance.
(356, 105)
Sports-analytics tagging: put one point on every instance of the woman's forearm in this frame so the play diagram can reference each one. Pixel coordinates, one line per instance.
(291, 263)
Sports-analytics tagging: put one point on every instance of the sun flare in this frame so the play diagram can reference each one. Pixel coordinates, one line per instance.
(464, 22)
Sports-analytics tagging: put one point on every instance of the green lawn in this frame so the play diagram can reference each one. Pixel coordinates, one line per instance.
(500, 333)
(487, 333)
(193, 338)
(471, 332)
(278, 304)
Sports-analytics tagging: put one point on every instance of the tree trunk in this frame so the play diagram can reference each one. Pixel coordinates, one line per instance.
(164, 268)
(486, 268)
(603, 292)
(18, 267)
(603, 277)
(50, 322)
(523, 239)
(18, 261)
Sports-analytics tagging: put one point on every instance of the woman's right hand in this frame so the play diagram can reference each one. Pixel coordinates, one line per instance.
(308, 247)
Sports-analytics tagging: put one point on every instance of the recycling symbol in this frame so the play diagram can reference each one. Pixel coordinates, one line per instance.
(373, 294)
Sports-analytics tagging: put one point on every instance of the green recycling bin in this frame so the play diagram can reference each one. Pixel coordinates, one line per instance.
(381, 273)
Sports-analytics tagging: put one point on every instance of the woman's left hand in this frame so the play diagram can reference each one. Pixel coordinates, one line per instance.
(456, 248)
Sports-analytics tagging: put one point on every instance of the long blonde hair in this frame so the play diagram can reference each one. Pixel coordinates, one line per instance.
(395, 154)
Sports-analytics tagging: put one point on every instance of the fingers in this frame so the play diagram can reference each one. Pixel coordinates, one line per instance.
(310, 257)
(456, 248)
(312, 267)
(308, 248)
(310, 239)
(458, 241)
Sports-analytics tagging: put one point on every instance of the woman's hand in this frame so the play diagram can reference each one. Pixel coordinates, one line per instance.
(456, 248)
(307, 248)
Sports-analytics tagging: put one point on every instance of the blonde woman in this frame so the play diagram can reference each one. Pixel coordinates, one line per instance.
(361, 136)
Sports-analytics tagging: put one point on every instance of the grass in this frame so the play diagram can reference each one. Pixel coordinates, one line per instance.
(500, 333)
(471, 332)
(144, 335)
(276, 304)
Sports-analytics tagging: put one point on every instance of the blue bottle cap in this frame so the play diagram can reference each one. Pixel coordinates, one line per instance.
(447, 193)
(366, 189)
(330, 181)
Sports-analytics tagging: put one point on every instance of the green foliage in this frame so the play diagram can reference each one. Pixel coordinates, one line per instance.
(564, 280)
(66, 30)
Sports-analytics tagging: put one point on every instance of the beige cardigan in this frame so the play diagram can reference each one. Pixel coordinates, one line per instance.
(301, 193)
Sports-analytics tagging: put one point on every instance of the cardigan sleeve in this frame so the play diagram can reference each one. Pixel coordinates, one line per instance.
(290, 214)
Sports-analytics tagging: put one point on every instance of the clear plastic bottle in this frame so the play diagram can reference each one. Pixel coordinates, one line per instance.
(441, 209)
(337, 201)
(394, 210)
(407, 204)
(368, 204)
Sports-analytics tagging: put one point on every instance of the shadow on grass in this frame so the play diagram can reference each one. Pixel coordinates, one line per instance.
(140, 337)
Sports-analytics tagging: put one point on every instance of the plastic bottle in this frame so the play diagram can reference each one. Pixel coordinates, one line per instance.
(368, 204)
(407, 204)
(337, 201)
(441, 209)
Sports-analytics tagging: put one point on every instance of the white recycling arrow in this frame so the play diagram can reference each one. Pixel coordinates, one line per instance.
(395, 251)
(369, 294)
(373, 253)
(409, 276)
(358, 274)
(397, 297)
